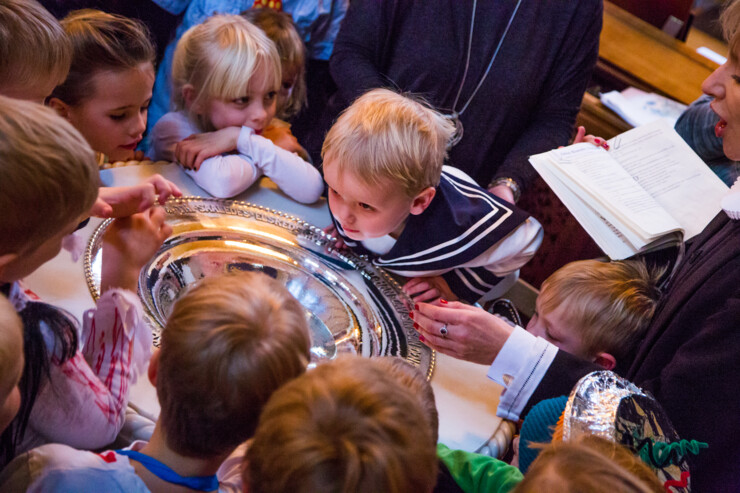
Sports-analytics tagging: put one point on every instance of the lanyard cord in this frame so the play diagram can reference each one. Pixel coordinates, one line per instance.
(456, 113)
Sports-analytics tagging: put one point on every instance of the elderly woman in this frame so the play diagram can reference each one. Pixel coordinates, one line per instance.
(689, 357)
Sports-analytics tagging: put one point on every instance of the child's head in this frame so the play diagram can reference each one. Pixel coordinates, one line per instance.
(35, 53)
(382, 161)
(590, 464)
(415, 382)
(49, 182)
(229, 343)
(596, 310)
(11, 362)
(226, 73)
(107, 91)
(347, 425)
(280, 28)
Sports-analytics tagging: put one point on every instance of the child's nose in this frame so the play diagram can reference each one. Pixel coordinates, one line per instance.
(139, 125)
(259, 115)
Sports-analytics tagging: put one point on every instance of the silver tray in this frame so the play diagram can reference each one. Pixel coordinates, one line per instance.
(352, 306)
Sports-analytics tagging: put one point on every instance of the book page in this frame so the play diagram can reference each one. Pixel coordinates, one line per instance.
(613, 191)
(605, 234)
(669, 170)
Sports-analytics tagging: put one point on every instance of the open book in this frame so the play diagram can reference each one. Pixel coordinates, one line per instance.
(648, 191)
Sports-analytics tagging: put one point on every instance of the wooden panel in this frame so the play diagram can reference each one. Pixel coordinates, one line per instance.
(600, 120)
(651, 57)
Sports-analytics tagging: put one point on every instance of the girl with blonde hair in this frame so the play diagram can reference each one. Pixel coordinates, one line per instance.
(226, 74)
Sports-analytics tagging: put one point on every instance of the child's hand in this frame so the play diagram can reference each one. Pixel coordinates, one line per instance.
(428, 289)
(582, 137)
(139, 156)
(128, 244)
(332, 231)
(125, 201)
(193, 150)
(281, 136)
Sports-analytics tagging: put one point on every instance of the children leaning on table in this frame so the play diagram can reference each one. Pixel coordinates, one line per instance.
(391, 197)
(229, 343)
(226, 75)
(75, 380)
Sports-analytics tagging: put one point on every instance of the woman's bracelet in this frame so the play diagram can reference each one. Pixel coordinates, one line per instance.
(509, 182)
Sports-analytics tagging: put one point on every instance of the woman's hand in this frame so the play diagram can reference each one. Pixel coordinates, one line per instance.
(503, 192)
(582, 137)
(472, 334)
(192, 151)
(428, 289)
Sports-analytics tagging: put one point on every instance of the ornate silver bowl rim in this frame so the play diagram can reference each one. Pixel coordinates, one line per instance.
(395, 312)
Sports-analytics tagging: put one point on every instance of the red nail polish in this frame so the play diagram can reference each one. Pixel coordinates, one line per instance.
(443, 301)
(605, 146)
(598, 141)
(416, 326)
(411, 315)
(421, 338)
(416, 307)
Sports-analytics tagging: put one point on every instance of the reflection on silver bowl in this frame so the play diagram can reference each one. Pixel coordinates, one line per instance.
(351, 306)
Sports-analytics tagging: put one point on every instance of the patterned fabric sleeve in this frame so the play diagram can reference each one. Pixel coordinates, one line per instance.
(84, 403)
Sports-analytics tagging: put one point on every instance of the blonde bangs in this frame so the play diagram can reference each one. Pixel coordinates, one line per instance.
(220, 57)
(388, 137)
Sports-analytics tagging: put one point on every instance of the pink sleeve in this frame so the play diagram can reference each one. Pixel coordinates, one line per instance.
(84, 403)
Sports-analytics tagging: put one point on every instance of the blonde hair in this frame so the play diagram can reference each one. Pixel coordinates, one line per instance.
(11, 348)
(219, 57)
(385, 137)
(101, 42)
(49, 175)
(229, 343)
(591, 464)
(346, 426)
(608, 303)
(730, 20)
(280, 28)
(33, 46)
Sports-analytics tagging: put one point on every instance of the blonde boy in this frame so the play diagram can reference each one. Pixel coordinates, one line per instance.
(597, 310)
(229, 343)
(390, 196)
(35, 53)
(345, 426)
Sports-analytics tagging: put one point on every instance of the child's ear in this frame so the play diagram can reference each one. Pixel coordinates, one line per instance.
(5, 260)
(60, 107)
(153, 367)
(422, 200)
(606, 360)
(188, 95)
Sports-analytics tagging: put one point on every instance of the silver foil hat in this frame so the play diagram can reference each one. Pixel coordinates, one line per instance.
(608, 406)
(593, 404)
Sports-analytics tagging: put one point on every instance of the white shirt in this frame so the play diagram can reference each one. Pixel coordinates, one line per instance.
(230, 174)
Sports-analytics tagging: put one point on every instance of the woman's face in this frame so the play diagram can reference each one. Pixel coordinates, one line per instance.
(113, 118)
(724, 85)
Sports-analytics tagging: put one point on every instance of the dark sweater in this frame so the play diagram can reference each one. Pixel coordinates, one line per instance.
(528, 102)
(690, 357)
